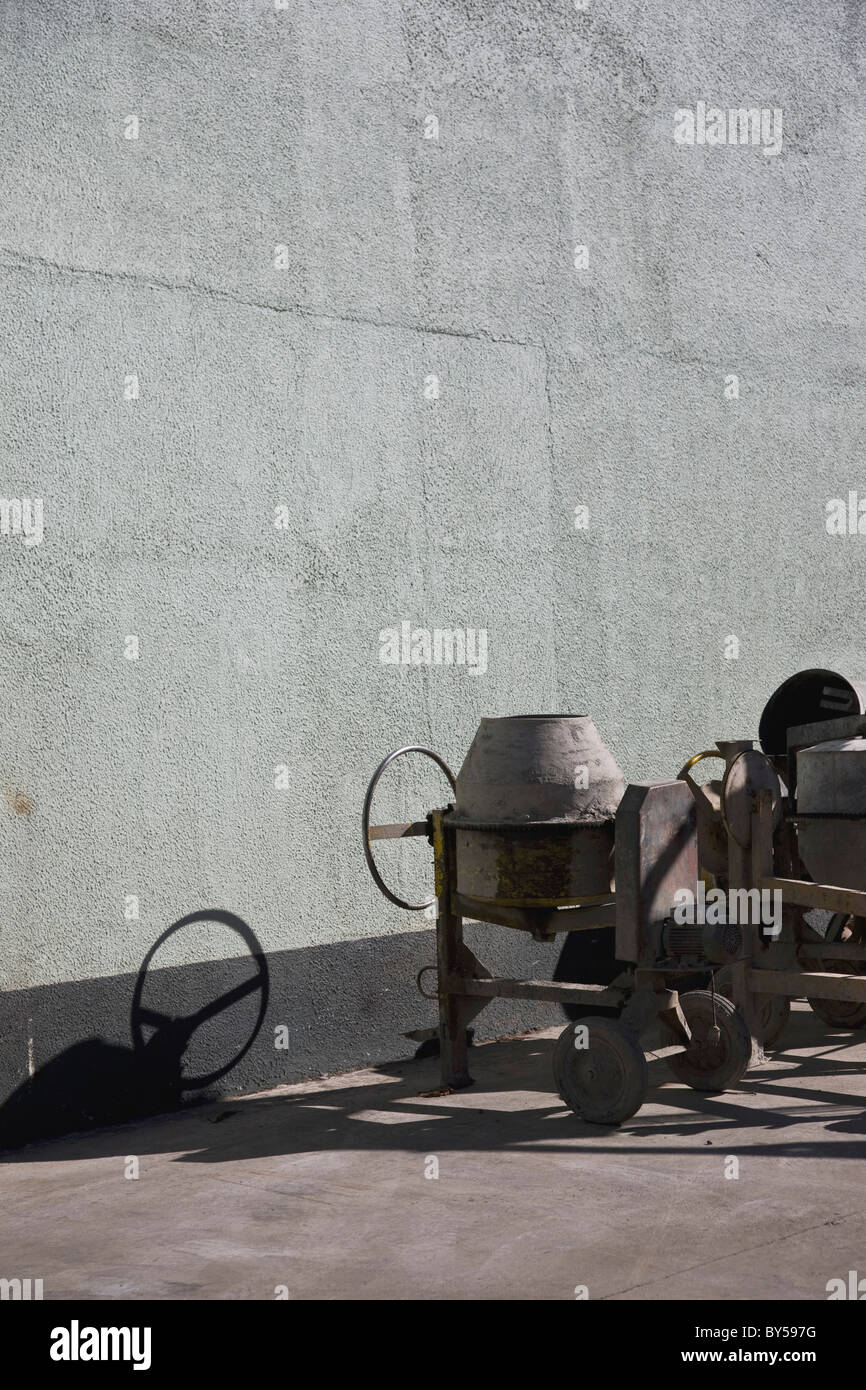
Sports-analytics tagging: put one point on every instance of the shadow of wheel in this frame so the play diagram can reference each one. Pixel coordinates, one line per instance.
(163, 1052)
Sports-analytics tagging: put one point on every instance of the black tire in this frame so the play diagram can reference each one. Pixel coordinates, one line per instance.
(605, 1082)
(841, 1013)
(774, 1010)
(564, 1043)
(709, 1065)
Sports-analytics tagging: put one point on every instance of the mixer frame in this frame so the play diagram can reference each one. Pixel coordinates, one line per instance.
(763, 972)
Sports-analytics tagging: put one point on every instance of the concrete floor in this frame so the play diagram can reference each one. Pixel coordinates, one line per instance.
(321, 1188)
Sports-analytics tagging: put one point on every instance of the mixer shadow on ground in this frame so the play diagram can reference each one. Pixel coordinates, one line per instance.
(321, 1187)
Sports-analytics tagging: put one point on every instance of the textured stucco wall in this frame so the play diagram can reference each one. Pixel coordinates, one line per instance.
(302, 385)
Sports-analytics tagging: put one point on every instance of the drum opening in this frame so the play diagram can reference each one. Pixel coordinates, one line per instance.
(807, 698)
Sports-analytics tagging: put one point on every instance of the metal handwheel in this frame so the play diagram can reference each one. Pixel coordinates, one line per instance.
(397, 832)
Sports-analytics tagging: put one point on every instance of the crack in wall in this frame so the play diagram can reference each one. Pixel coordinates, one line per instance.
(25, 261)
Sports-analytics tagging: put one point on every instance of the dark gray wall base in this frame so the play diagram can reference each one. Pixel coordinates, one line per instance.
(335, 1007)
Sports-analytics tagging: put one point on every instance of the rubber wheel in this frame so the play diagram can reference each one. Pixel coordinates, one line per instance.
(710, 1065)
(562, 1047)
(774, 1010)
(605, 1082)
(841, 1013)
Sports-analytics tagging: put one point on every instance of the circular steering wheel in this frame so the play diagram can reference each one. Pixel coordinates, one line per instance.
(394, 832)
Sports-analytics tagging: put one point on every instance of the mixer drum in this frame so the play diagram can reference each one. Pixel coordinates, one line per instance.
(534, 813)
(806, 698)
(831, 780)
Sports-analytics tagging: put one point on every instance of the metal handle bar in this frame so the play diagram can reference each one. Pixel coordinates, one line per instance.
(694, 787)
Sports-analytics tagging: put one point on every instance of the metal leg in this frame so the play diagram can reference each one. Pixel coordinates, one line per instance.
(747, 1005)
(760, 864)
(453, 960)
(455, 1010)
(747, 868)
(741, 875)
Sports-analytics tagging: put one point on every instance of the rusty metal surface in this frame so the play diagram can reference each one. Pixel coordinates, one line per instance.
(546, 920)
(831, 791)
(831, 950)
(400, 831)
(798, 984)
(803, 735)
(823, 895)
(656, 854)
(544, 990)
(712, 836)
(540, 865)
(749, 773)
(533, 814)
(454, 961)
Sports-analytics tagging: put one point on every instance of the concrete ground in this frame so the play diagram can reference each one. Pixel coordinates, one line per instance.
(321, 1190)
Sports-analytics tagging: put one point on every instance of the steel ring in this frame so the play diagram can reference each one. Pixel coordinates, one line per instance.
(422, 971)
(365, 821)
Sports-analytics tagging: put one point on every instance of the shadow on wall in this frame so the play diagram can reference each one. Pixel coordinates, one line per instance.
(247, 1023)
(96, 1082)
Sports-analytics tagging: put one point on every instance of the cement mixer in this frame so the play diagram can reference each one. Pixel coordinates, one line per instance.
(544, 836)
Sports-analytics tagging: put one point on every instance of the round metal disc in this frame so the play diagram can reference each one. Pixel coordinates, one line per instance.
(605, 1081)
(750, 772)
